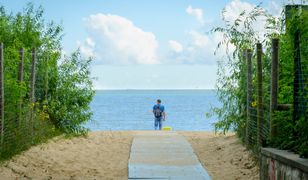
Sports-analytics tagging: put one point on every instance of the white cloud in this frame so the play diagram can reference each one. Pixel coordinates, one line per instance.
(86, 49)
(175, 46)
(196, 12)
(116, 40)
(201, 46)
(199, 50)
(198, 39)
(90, 42)
(235, 8)
(275, 8)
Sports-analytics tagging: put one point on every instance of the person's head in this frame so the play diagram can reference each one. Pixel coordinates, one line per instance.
(158, 101)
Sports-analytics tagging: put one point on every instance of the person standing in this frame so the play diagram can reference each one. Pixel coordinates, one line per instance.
(159, 114)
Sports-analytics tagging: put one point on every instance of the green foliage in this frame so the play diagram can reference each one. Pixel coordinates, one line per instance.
(73, 94)
(293, 136)
(63, 88)
(231, 83)
(284, 122)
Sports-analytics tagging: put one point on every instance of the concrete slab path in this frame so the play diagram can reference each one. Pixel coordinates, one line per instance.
(164, 155)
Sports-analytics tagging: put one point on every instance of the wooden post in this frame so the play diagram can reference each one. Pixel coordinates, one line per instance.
(260, 94)
(2, 92)
(21, 65)
(274, 85)
(32, 88)
(249, 92)
(299, 102)
(246, 107)
(33, 73)
(46, 78)
(20, 80)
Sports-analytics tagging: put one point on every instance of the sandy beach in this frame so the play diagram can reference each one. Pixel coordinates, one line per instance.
(105, 154)
(224, 157)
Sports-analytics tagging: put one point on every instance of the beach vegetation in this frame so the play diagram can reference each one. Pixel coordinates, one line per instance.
(63, 87)
(243, 34)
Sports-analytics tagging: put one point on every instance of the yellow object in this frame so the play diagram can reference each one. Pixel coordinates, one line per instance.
(254, 104)
(167, 128)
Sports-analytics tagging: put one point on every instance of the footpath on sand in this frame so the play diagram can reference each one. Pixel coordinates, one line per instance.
(163, 155)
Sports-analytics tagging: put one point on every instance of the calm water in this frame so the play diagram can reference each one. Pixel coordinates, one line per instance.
(132, 109)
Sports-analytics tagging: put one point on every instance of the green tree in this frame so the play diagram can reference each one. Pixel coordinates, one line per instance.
(63, 89)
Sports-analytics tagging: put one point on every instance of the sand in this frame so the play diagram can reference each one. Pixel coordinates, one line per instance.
(224, 157)
(104, 155)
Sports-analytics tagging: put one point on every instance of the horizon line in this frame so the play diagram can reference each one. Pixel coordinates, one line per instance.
(155, 89)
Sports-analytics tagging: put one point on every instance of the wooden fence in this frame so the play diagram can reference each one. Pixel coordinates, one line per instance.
(23, 129)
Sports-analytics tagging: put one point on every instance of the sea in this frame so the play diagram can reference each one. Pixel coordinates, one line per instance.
(132, 109)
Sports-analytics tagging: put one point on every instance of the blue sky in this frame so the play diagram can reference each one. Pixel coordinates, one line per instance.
(150, 44)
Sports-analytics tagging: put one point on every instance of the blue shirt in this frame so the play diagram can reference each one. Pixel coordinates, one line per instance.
(161, 107)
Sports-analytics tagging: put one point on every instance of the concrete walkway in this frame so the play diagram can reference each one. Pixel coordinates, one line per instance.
(164, 155)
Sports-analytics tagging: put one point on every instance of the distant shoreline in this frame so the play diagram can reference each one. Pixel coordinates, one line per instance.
(155, 89)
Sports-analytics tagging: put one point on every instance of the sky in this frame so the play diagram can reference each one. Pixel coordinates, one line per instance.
(150, 44)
